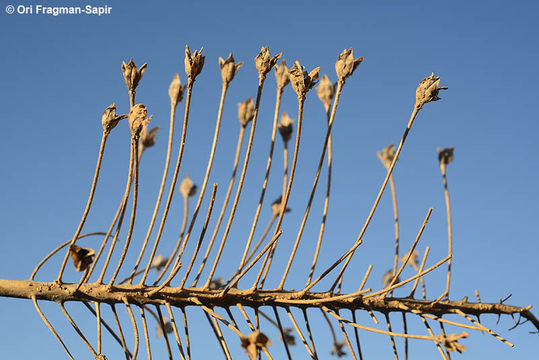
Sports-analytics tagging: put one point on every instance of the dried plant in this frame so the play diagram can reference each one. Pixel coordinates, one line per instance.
(216, 295)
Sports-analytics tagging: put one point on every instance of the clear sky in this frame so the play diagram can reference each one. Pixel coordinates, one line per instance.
(60, 73)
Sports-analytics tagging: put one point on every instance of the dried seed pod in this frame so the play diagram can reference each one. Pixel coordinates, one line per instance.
(264, 62)
(137, 119)
(246, 111)
(110, 119)
(167, 326)
(428, 90)
(282, 74)
(147, 138)
(387, 155)
(346, 64)
(159, 262)
(325, 91)
(388, 277)
(450, 342)
(276, 206)
(337, 348)
(101, 357)
(445, 156)
(229, 68)
(193, 63)
(132, 74)
(82, 257)
(176, 90)
(301, 81)
(413, 259)
(288, 337)
(217, 284)
(285, 127)
(256, 340)
(187, 187)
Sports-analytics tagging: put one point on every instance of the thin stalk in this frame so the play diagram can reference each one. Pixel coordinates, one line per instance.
(161, 188)
(483, 327)
(356, 335)
(405, 325)
(161, 322)
(121, 213)
(264, 185)
(309, 332)
(218, 335)
(135, 329)
(432, 334)
(309, 350)
(326, 205)
(225, 204)
(393, 345)
(178, 243)
(268, 247)
(98, 318)
(374, 330)
(410, 253)
(133, 212)
(240, 183)
(175, 328)
(204, 182)
(383, 291)
(186, 330)
(315, 184)
(396, 216)
(245, 316)
(147, 338)
(346, 338)
(449, 230)
(76, 328)
(121, 340)
(126, 350)
(348, 255)
(427, 249)
(51, 328)
(284, 202)
(202, 234)
(199, 243)
(285, 182)
(88, 203)
(190, 83)
(283, 336)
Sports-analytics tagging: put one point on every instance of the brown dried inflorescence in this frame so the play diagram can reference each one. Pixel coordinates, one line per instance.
(346, 64)
(246, 111)
(229, 68)
(187, 187)
(256, 340)
(325, 91)
(282, 75)
(82, 257)
(110, 119)
(147, 138)
(428, 90)
(264, 62)
(302, 81)
(285, 127)
(138, 119)
(176, 90)
(446, 155)
(193, 63)
(132, 74)
(387, 155)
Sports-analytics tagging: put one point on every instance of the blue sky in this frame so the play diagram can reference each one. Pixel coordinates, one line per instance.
(60, 73)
